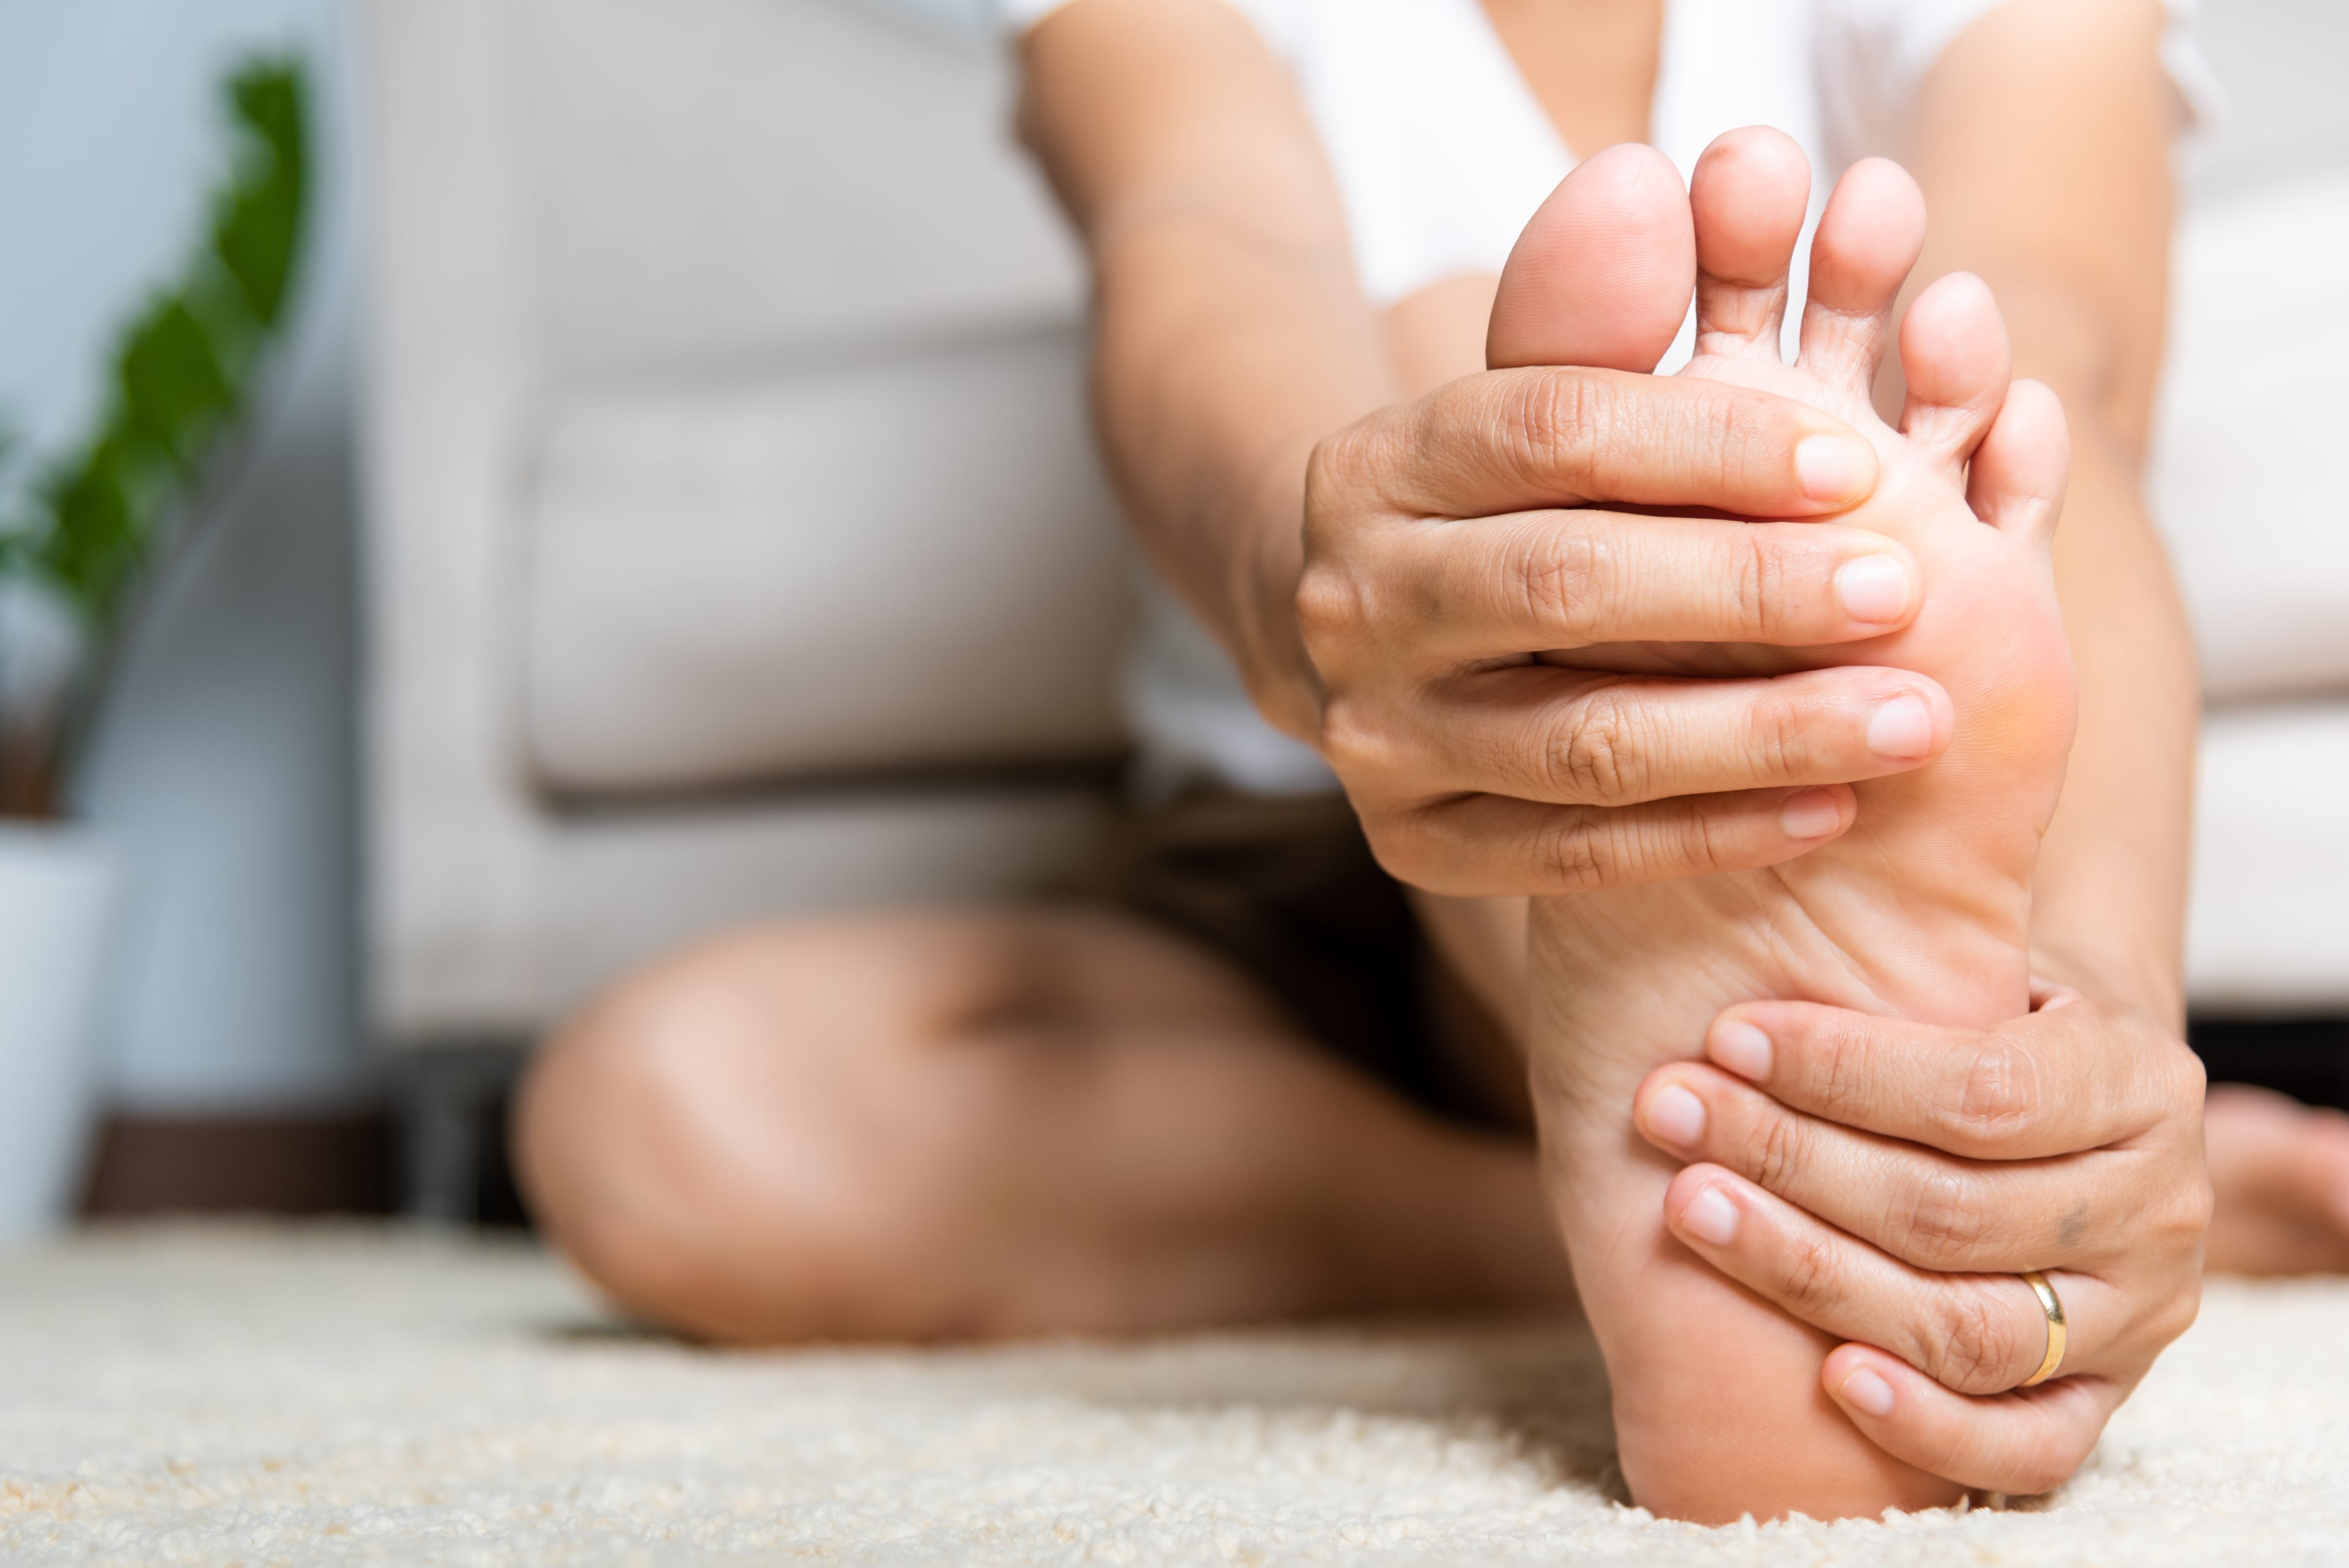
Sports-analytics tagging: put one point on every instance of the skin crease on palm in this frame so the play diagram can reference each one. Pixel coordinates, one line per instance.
(1922, 909)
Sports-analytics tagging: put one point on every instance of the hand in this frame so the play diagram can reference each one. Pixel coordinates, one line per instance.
(1447, 544)
(1885, 1181)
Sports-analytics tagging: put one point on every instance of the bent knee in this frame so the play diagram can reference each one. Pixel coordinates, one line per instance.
(734, 1158)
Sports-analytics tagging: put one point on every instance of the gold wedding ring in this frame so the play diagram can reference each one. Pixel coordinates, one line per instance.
(2053, 1307)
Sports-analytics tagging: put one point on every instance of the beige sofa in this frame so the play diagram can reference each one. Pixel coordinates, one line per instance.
(736, 548)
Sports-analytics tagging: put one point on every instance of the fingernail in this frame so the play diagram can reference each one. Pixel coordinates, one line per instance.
(1869, 1392)
(1713, 1219)
(1902, 727)
(1741, 1048)
(1834, 468)
(1812, 813)
(1676, 1117)
(1873, 588)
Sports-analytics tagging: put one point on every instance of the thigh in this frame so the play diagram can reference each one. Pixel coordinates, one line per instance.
(926, 1125)
(826, 1093)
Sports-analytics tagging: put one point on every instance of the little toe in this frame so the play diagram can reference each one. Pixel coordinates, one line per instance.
(1748, 197)
(1601, 275)
(1955, 358)
(2017, 478)
(1869, 238)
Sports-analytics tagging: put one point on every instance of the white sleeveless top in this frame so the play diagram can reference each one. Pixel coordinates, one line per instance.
(1442, 153)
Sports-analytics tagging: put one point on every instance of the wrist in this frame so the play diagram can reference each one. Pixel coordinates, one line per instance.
(1269, 647)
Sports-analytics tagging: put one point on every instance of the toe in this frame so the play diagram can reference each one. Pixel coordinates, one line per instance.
(1601, 275)
(2019, 472)
(1955, 358)
(1869, 238)
(1748, 197)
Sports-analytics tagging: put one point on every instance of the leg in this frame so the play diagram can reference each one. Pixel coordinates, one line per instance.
(922, 1125)
(2279, 1170)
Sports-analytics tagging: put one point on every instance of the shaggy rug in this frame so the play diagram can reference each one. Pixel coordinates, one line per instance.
(263, 1395)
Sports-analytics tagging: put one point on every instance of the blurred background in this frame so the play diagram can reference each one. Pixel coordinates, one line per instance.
(558, 591)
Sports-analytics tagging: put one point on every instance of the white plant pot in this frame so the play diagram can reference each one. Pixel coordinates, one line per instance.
(57, 893)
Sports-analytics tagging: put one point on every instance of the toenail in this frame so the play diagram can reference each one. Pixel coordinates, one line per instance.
(1902, 727)
(1711, 1219)
(1834, 468)
(1741, 1048)
(1676, 1117)
(1869, 1392)
(1812, 813)
(1873, 588)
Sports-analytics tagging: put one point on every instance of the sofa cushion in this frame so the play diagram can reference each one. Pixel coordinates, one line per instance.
(728, 180)
(909, 562)
(2242, 480)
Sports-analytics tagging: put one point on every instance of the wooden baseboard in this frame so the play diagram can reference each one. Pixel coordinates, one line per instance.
(335, 1164)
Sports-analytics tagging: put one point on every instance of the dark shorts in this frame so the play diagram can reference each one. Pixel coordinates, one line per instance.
(1287, 890)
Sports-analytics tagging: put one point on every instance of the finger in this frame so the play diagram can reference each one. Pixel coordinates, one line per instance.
(1502, 585)
(2058, 1081)
(1867, 239)
(1600, 276)
(2021, 1443)
(1748, 196)
(1928, 1208)
(1515, 441)
(1974, 1333)
(1955, 356)
(2019, 472)
(1485, 845)
(1563, 737)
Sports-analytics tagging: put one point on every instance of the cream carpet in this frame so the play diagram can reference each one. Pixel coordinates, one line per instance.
(264, 1395)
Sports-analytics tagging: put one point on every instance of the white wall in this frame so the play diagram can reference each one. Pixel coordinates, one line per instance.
(225, 766)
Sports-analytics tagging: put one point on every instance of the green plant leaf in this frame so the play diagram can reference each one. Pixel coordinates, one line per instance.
(183, 365)
(169, 378)
(257, 221)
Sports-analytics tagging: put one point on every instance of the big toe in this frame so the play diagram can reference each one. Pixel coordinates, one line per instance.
(1603, 274)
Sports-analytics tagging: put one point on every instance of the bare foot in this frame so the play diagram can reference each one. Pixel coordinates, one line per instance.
(1921, 909)
(2280, 1172)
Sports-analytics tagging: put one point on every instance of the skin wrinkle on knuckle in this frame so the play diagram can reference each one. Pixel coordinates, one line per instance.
(1775, 737)
(1811, 1281)
(1753, 584)
(1945, 1222)
(1575, 859)
(1566, 577)
(1727, 438)
(2000, 1095)
(1976, 1353)
(1596, 760)
(1707, 842)
(1559, 425)
(1838, 1052)
(1775, 1152)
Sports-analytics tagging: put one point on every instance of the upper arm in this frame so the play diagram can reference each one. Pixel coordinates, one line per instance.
(1146, 111)
(2042, 137)
(1230, 330)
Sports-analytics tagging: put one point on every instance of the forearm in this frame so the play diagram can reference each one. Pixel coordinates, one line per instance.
(1218, 368)
(1232, 335)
